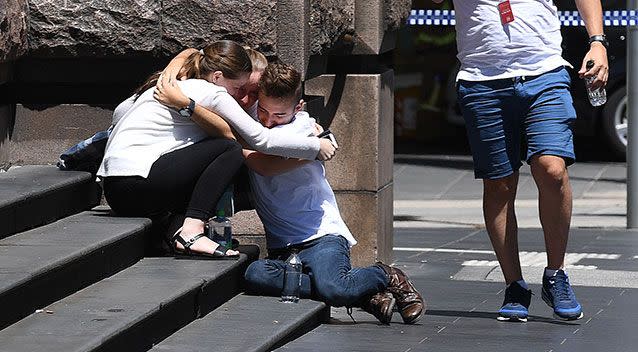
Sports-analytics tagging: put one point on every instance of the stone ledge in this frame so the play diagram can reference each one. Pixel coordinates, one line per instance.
(76, 251)
(247, 323)
(35, 195)
(131, 310)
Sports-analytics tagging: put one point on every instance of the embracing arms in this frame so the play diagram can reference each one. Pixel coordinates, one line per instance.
(167, 93)
(256, 136)
(270, 165)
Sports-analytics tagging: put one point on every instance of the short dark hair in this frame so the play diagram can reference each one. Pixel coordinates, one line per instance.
(281, 80)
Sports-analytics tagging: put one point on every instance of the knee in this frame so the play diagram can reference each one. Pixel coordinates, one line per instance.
(255, 272)
(555, 173)
(551, 172)
(233, 147)
(503, 187)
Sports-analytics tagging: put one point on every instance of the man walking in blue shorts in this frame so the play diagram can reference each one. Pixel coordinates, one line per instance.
(513, 85)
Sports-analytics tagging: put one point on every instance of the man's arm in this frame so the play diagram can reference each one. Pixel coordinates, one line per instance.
(592, 13)
(270, 165)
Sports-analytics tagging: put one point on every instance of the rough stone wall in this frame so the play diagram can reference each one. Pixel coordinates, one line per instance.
(13, 29)
(93, 28)
(194, 23)
(396, 13)
(130, 28)
(329, 20)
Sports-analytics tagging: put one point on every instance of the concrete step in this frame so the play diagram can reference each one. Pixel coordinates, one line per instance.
(247, 323)
(34, 195)
(42, 265)
(131, 310)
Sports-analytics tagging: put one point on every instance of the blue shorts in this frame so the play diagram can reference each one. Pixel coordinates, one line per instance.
(502, 114)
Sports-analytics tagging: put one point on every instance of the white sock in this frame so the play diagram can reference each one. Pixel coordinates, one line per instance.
(550, 272)
(523, 284)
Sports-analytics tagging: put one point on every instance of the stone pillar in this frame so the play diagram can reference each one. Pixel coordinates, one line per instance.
(361, 173)
(293, 38)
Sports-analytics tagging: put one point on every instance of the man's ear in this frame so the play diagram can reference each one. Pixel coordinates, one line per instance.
(299, 106)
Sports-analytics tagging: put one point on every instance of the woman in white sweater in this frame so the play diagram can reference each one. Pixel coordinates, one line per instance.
(159, 160)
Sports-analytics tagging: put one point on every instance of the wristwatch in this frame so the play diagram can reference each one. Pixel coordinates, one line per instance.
(188, 110)
(599, 38)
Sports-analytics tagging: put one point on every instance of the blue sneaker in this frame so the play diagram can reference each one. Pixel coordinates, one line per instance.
(515, 304)
(558, 294)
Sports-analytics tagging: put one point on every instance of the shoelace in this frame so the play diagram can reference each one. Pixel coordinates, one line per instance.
(349, 311)
(561, 288)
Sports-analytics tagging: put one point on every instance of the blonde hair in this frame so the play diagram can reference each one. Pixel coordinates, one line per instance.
(257, 59)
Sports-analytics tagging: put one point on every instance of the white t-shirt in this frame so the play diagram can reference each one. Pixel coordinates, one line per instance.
(148, 130)
(299, 205)
(488, 49)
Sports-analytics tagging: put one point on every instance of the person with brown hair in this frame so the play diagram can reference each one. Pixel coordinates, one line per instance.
(161, 160)
(299, 211)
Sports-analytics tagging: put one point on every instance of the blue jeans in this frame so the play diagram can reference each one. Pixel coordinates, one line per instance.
(327, 273)
(499, 113)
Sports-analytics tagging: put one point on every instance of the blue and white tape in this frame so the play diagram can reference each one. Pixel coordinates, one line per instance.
(617, 18)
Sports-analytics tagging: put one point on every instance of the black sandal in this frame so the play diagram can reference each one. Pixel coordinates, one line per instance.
(188, 253)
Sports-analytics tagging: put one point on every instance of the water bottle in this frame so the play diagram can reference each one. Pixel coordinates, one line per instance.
(220, 230)
(292, 279)
(226, 202)
(597, 97)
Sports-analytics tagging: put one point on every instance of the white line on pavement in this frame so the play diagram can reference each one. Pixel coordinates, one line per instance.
(527, 259)
(523, 255)
(577, 276)
(522, 203)
(442, 250)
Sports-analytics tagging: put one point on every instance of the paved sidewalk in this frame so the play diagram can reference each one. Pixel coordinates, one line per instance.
(441, 243)
(452, 269)
(440, 191)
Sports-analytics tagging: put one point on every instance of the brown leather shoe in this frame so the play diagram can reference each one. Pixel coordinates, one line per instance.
(381, 305)
(409, 300)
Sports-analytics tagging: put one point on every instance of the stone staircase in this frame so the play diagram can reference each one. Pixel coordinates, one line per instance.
(75, 278)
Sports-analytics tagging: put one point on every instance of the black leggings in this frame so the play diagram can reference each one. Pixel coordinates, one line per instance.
(187, 181)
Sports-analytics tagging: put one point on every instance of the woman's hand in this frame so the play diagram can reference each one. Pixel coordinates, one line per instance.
(170, 95)
(172, 72)
(326, 149)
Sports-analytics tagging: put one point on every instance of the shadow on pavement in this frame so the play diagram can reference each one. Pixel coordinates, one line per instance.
(493, 315)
